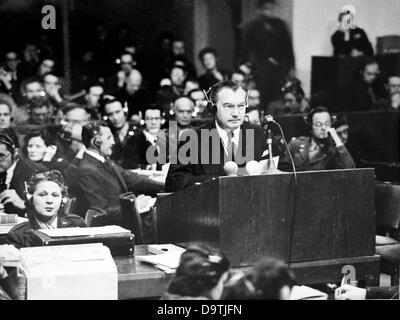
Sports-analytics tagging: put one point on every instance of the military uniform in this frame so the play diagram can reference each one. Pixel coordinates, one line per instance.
(328, 157)
(20, 236)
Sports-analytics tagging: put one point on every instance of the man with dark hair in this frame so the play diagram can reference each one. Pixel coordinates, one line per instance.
(322, 150)
(392, 100)
(102, 181)
(122, 130)
(227, 136)
(134, 155)
(208, 58)
(267, 44)
(31, 88)
(10, 201)
(367, 88)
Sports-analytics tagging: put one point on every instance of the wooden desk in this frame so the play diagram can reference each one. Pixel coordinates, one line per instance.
(139, 280)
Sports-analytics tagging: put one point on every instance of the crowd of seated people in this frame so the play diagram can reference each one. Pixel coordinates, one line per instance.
(95, 137)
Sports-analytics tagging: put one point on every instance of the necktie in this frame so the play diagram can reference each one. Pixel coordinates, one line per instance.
(231, 147)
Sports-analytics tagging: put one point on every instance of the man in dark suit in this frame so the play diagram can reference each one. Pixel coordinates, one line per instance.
(227, 137)
(101, 181)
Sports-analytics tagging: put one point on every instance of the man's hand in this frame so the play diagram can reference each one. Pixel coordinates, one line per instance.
(335, 137)
(348, 292)
(50, 153)
(10, 196)
(395, 100)
(54, 93)
(5, 77)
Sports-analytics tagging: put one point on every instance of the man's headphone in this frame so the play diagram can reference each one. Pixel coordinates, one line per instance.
(93, 132)
(211, 106)
(8, 141)
(125, 109)
(142, 122)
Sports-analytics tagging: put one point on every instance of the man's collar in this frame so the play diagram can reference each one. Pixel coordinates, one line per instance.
(95, 155)
(152, 139)
(224, 133)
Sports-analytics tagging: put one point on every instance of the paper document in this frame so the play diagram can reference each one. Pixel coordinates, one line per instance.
(170, 260)
(307, 293)
(80, 232)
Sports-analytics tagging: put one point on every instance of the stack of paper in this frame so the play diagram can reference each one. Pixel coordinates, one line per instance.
(167, 259)
(9, 256)
(83, 272)
(307, 293)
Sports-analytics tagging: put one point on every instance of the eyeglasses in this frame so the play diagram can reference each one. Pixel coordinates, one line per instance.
(151, 119)
(320, 124)
(5, 157)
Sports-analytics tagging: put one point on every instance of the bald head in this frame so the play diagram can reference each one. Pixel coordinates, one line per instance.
(133, 81)
(183, 109)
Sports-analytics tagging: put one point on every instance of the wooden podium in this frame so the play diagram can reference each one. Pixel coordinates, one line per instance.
(326, 215)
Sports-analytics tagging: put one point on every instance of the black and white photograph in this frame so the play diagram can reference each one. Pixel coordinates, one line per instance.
(212, 151)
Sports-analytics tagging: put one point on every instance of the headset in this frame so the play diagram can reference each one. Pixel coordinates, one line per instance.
(110, 99)
(142, 122)
(308, 118)
(93, 131)
(8, 141)
(211, 106)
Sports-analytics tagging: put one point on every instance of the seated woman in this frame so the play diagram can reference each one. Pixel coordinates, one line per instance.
(37, 156)
(270, 279)
(45, 197)
(200, 276)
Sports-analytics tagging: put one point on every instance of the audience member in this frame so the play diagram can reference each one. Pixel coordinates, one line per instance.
(254, 98)
(101, 181)
(52, 88)
(30, 60)
(292, 100)
(367, 89)
(183, 111)
(46, 195)
(31, 88)
(238, 77)
(10, 201)
(200, 275)
(350, 40)
(322, 150)
(209, 58)
(134, 94)
(134, 155)
(392, 100)
(38, 155)
(91, 100)
(116, 115)
(9, 74)
(269, 279)
(127, 63)
(7, 111)
(46, 66)
(253, 115)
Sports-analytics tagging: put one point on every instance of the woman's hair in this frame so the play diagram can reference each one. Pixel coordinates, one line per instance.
(262, 282)
(33, 134)
(53, 176)
(199, 271)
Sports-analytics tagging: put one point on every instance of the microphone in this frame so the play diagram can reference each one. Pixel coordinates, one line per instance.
(271, 167)
(231, 168)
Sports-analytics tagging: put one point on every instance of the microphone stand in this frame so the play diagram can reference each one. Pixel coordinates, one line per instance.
(271, 169)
